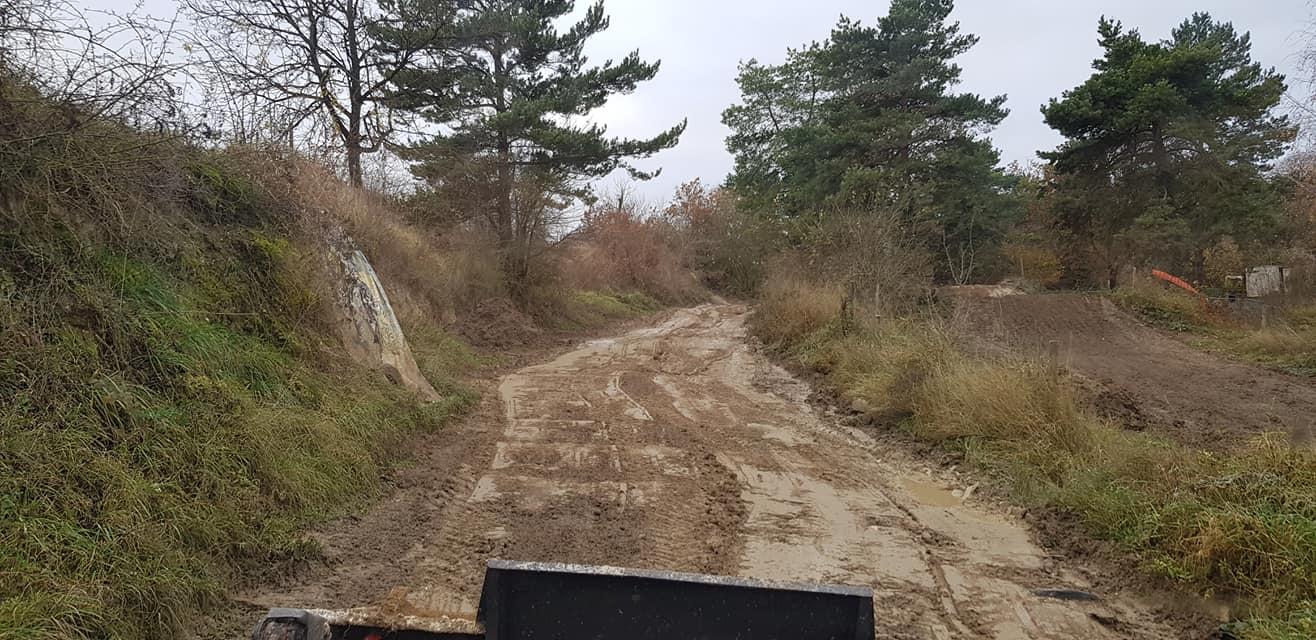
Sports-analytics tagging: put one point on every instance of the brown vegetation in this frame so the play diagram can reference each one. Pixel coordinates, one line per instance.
(433, 274)
(1238, 524)
(726, 245)
(164, 333)
(620, 249)
(174, 407)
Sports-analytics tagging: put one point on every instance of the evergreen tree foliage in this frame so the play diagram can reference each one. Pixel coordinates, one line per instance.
(1167, 148)
(869, 118)
(505, 87)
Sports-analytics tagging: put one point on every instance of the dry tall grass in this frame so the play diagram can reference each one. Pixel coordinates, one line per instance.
(180, 425)
(962, 398)
(1286, 341)
(172, 411)
(1163, 305)
(791, 307)
(1242, 525)
(431, 277)
(1278, 341)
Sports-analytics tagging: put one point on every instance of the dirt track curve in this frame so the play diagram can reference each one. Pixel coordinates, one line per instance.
(680, 447)
(1143, 377)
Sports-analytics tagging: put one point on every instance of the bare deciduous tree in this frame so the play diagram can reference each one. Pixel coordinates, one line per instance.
(962, 253)
(307, 67)
(98, 65)
(877, 258)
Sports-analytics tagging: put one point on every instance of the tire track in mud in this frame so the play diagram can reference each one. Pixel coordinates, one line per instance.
(679, 447)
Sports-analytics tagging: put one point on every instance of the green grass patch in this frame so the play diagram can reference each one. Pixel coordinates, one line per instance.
(1239, 525)
(1287, 343)
(173, 414)
(1161, 306)
(582, 309)
(615, 305)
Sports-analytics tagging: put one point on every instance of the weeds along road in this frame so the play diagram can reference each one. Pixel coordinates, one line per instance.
(680, 447)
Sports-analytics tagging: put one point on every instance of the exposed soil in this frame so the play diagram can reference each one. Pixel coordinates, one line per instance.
(680, 447)
(497, 323)
(1141, 376)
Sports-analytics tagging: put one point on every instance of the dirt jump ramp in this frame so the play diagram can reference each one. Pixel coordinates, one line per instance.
(1141, 376)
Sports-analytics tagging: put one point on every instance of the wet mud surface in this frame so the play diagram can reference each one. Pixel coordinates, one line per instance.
(681, 447)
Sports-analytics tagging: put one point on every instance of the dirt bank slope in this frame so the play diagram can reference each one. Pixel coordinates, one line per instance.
(1141, 376)
(680, 447)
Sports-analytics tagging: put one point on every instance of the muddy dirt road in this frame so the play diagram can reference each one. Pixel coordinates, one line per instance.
(680, 447)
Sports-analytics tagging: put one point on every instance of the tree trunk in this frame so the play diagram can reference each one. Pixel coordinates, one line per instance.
(354, 163)
(514, 255)
(1199, 267)
(1161, 157)
(506, 239)
(505, 220)
(356, 101)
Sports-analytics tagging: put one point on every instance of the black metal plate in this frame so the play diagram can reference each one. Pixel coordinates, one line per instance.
(542, 601)
(379, 633)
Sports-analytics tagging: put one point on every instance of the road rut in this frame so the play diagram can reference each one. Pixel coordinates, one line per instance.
(681, 447)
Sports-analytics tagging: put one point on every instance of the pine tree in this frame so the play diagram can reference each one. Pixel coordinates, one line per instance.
(503, 87)
(869, 118)
(1167, 147)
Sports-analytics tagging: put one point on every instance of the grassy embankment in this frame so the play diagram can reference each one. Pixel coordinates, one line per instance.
(1287, 342)
(175, 406)
(1239, 525)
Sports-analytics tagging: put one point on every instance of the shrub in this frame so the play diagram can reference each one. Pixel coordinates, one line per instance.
(1031, 262)
(728, 247)
(621, 250)
(1221, 261)
(873, 255)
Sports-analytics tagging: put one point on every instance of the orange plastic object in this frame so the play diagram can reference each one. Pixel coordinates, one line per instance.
(1176, 281)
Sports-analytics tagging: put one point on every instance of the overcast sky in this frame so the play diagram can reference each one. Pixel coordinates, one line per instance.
(1030, 50)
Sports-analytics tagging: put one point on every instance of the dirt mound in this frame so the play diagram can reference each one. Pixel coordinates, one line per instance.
(498, 324)
(1141, 376)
